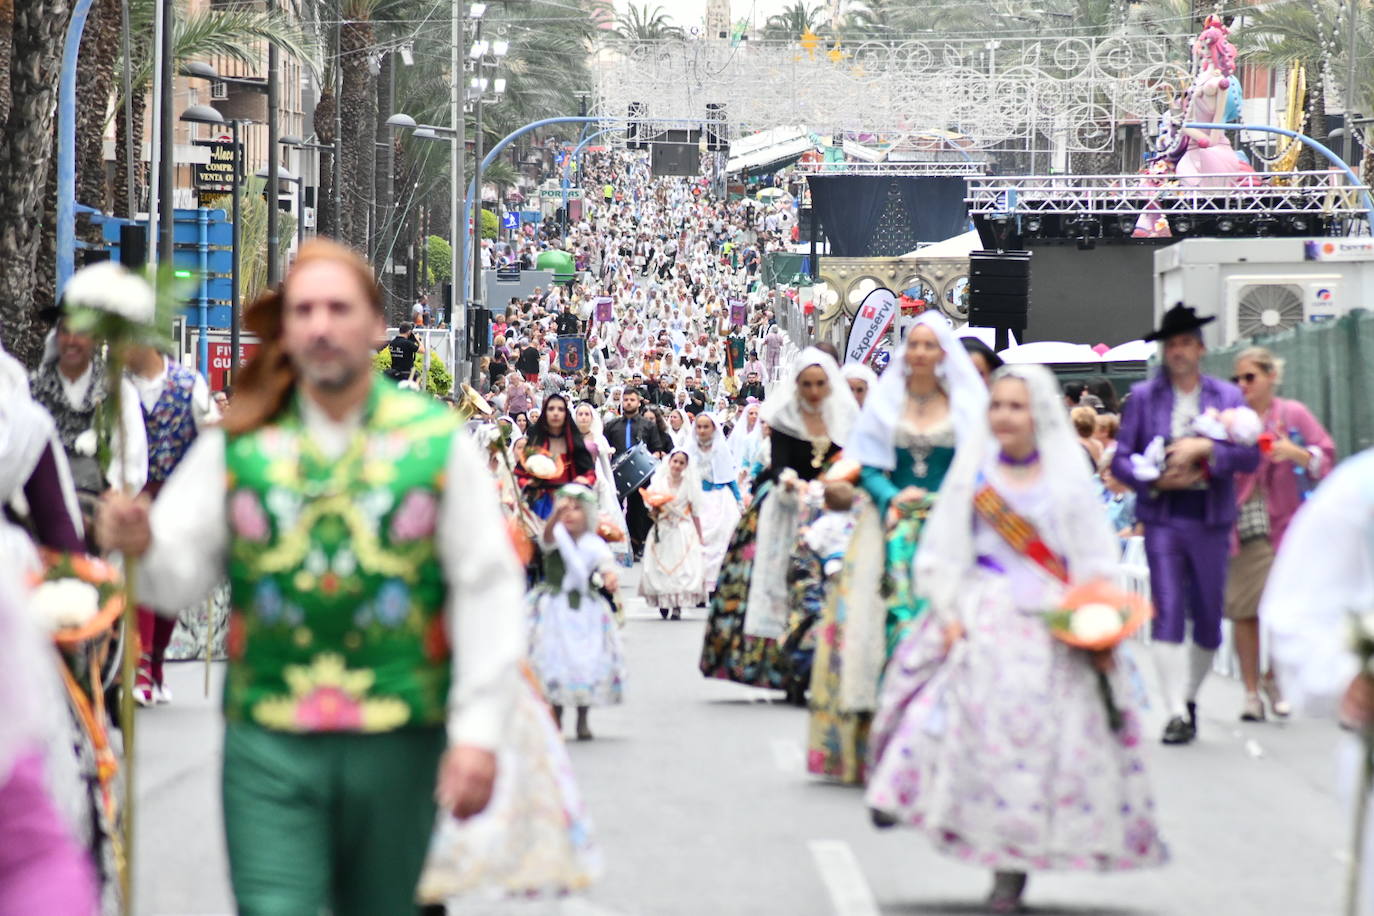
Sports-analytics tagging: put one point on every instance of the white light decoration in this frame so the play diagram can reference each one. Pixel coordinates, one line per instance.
(477, 10)
(1035, 93)
(500, 47)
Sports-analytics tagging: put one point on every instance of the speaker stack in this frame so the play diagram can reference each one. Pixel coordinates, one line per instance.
(634, 131)
(717, 133)
(999, 289)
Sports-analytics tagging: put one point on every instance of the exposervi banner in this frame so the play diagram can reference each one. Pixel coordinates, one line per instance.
(873, 319)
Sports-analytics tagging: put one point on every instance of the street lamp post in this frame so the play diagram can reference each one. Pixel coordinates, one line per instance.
(298, 143)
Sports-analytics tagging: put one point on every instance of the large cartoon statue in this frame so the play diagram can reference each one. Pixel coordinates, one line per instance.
(1185, 153)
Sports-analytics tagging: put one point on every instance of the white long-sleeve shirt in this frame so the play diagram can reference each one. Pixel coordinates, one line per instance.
(189, 555)
(203, 409)
(128, 469)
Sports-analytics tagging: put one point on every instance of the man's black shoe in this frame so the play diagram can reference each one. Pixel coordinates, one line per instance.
(1178, 731)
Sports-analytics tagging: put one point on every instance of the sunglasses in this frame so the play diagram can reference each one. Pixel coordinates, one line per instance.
(1248, 378)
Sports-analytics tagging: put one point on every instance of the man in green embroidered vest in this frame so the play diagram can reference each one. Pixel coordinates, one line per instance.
(375, 602)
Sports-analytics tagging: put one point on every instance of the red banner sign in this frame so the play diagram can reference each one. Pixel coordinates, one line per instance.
(219, 360)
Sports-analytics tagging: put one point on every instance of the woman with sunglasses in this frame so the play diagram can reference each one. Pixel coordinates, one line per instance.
(1295, 453)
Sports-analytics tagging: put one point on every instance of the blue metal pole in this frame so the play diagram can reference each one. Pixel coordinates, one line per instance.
(1307, 141)
(203, 318)
(66, 147)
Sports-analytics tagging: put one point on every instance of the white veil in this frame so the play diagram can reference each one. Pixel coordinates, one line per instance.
(691, 480)
(872, 443)
(1080, 528)
(782, 408)
(719, 465)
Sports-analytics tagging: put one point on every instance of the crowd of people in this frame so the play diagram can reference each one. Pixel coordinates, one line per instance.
(887, 550)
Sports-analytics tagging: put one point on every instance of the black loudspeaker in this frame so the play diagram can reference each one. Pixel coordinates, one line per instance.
(309, 195)
(481, 330)
(717, 134)
(448, 304)
(133, 246)
(634, 130)
(999, 289)
(676, 152)
(804, 221)
(88, 256)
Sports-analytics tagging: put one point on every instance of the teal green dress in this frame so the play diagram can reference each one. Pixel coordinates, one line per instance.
(923, 459)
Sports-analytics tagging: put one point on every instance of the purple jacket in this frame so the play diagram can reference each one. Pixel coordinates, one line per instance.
(1148, 414)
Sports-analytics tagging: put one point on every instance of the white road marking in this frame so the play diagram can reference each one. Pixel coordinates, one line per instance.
(787, 755)
(843, 878)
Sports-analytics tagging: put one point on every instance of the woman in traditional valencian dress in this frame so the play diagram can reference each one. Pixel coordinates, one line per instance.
(589, 426)
(555, 435)
(991, 735)
(809, 415)
(715, 464)
(673, 576)
(575, 646)
(905, 440)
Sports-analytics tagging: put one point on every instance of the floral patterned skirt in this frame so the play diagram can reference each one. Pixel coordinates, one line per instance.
(727, 652)
(837, 743)
(1000, 751)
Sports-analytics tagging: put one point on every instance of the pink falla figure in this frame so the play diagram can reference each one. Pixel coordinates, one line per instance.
(1188, 152)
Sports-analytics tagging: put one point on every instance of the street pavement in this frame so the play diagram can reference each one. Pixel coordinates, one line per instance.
(702, 805)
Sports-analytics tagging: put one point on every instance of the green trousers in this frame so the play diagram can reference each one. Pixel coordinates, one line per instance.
(328, 823)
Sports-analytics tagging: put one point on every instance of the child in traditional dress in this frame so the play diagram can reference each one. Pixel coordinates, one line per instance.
(575, 645)
(829, 534)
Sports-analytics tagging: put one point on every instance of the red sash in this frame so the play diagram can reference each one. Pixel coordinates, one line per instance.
(1018, 532)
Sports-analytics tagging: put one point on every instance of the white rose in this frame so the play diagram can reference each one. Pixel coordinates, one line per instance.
(85, 443)
(65, 603)
(1093, 622)
(108, 286)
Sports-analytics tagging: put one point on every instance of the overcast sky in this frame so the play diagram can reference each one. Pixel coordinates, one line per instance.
(688, 13)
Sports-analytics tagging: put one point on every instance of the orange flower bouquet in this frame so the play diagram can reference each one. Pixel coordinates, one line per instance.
(1097, 617)
(655, 499)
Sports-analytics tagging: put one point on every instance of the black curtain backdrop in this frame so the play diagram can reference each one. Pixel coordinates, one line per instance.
(849, 206)
(936, 205)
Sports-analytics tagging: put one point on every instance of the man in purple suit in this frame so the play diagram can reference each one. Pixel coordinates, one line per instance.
(1188, 510)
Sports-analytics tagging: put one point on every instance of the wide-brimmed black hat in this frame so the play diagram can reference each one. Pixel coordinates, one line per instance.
(1179, 320)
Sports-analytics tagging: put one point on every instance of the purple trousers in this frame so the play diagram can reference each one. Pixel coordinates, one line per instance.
(1188, 563)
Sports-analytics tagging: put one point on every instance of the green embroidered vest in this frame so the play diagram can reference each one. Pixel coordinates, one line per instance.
(337, 594)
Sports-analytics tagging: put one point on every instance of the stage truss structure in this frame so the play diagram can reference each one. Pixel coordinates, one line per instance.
(895, 169)
(1268, 194)
(1038, 94)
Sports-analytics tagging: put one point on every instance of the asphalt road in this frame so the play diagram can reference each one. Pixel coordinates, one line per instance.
(702, 806)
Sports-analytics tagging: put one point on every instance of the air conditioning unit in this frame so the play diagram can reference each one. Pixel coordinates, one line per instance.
(1269, 303)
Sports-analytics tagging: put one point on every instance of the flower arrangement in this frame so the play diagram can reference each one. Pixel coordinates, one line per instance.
(655, 499)
(76, 597)
(542, 465)
(1097, 617)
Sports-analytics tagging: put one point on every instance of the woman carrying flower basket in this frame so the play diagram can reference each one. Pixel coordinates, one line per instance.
(992, 734)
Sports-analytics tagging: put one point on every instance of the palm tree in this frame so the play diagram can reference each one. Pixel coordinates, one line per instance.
(643, 24)
(794, 21)
(36, 32)
(1292, 33)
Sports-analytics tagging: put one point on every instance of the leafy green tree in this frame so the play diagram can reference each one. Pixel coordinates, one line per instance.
(490, 224)
(439, 257)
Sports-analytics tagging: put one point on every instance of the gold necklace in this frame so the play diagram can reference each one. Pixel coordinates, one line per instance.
(820, 445)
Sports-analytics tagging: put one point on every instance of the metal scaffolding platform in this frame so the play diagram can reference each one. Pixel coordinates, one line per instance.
(1252, 194)
(894, 169)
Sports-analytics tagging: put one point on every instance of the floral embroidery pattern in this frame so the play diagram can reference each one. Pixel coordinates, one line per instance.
(416, 518)
(326, 696)
(247, 516)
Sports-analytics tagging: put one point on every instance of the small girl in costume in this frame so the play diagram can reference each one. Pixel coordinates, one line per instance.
(575, 645)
